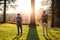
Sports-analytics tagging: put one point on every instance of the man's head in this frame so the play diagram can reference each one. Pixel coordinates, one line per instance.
(44, 12)
(18, 15)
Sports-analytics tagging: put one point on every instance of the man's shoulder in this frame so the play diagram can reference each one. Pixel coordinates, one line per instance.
(20, 17)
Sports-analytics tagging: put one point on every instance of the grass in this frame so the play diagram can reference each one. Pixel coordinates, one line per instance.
(9, 31)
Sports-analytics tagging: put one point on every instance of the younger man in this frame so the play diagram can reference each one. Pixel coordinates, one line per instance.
(44, 19)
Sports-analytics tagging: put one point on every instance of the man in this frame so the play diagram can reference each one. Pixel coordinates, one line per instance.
(19, 24)
(44, 19)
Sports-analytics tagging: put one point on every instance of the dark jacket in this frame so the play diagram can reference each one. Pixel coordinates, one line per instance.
(45, 19)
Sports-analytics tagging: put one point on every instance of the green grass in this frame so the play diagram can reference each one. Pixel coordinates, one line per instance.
(9, 31)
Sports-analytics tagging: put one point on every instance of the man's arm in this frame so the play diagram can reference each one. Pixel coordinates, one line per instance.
(21, 19)
(46, 16)
(16, 19)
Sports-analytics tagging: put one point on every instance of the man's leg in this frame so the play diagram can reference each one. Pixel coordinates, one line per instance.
(43, 30)
(21, 29)
(46, 29)
(18, 29)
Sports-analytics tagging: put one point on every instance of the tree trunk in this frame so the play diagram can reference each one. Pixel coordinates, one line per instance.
(52, 23)
(32, 19)
(4, 14)
(58, 12)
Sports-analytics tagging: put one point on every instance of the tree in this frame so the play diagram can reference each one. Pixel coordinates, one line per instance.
(5, 5)
(46, 4)
(4, 15)
(32, 18)
(55, 13)
(58, 12)
(52, 23)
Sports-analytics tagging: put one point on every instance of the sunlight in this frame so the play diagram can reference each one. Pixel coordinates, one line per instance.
(37, 5)
(25, 6)
(22, 6)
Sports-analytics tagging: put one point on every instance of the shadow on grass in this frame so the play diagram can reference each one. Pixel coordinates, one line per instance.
(47, 37)
(53, 35)
(17, 37)
(32, 34)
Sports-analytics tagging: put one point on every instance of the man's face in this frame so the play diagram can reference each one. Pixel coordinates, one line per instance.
(18, 15)
(43, 13)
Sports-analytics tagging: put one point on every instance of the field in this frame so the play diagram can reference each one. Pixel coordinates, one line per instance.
(9, 31)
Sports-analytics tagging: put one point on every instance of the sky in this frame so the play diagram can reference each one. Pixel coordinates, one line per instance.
(25, 6)
(22, 6)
